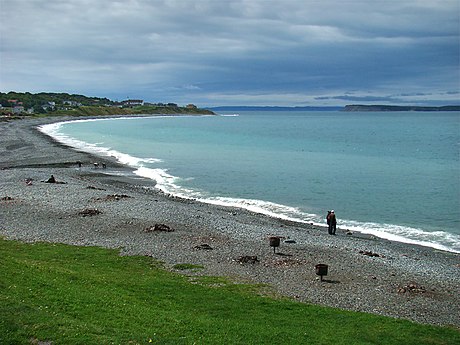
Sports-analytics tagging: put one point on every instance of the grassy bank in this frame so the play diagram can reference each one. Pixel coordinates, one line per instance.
(108, 111)
(85, 295)
(100, 110)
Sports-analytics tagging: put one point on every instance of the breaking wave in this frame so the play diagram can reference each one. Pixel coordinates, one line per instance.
(53, 130)
(438, 239)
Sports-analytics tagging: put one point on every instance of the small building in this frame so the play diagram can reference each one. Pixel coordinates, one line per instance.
(18, 109)
(72, 103)
(48, 106)
(133, 102)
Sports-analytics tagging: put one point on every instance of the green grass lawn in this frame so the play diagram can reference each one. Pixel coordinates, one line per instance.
(85, 295)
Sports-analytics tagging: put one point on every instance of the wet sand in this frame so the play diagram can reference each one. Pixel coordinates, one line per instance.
(364, 273)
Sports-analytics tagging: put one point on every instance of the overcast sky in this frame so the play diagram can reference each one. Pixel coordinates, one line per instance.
(235, 52)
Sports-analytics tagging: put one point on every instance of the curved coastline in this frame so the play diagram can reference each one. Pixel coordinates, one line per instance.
(439, 240)
(43, 212)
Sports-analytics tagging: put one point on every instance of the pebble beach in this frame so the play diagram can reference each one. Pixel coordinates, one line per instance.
(113, 208)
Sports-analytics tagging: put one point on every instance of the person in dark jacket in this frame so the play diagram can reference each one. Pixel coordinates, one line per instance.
(331, 222)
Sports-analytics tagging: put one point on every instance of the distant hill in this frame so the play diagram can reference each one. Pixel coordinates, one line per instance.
(78, 105)
(30, 100)
(360, 107)
(271, 108)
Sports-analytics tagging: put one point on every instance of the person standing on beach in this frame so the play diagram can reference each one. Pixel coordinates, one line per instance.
(331, 222)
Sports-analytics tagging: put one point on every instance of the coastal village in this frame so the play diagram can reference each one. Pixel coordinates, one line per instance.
(23, 104)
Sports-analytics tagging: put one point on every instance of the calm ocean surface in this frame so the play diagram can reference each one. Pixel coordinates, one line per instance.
(394, 175)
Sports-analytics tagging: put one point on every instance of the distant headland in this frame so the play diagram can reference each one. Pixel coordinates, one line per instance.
(361, 107)
(273, 108)
(348, 108)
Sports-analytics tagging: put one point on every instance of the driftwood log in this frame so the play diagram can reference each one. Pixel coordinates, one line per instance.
(159, 227)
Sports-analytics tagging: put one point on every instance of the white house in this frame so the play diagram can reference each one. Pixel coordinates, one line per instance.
(133, 102)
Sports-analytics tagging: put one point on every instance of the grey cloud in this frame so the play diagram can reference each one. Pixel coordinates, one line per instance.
(154, 48)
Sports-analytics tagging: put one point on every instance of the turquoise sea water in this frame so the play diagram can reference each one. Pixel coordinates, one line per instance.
(395, 175)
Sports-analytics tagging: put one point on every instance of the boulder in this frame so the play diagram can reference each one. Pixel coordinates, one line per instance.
(89, 212)
(204, 246)
(159, 227)
(247, 259)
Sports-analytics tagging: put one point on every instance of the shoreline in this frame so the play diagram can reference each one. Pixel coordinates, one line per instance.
(356, 280)
(413, 235)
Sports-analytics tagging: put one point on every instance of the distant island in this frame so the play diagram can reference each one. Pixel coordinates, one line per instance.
(348, 108)
(361, 107)
(273, 108)
(28, 104)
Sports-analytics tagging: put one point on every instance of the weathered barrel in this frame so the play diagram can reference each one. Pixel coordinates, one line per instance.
(321, 270)
(274, 242)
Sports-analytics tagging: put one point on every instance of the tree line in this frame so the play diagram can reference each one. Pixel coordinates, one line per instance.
(37, 100)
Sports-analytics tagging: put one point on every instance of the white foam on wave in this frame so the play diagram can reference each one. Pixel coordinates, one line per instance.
(166, 183)
(53, 130)
(436, 239)
(169, 184)
(439, 239)
(257, 206)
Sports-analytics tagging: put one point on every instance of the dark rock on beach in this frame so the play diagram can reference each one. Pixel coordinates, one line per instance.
(113, 197)
(204, 246)
(247, 259)
(159, 227)
(88, 212)
(371, 254)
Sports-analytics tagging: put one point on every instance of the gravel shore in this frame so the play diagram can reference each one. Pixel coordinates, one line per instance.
(365, 273)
